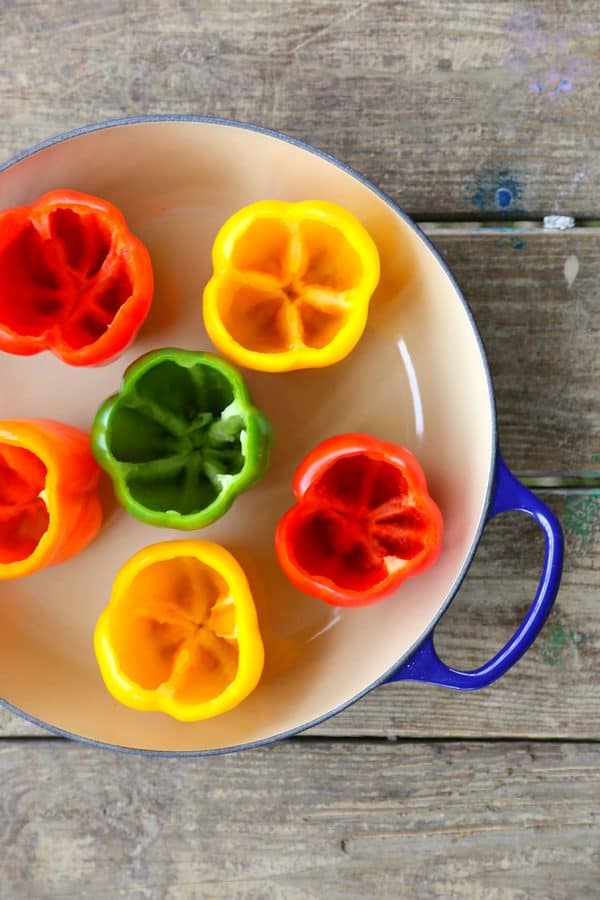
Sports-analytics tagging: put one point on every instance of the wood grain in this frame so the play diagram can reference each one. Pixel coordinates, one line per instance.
(299, 821)
(551, 693)
(536, 300)
(456, 107)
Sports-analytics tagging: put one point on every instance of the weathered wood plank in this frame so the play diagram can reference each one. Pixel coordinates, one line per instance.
(536, 299)
(551, 693)
(303, 821)
(450, 106)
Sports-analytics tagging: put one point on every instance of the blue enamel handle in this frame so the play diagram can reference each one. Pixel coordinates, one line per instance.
(425, 665)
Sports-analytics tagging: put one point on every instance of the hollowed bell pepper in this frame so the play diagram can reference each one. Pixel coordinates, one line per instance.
(180, 633)
(363, 522)
(182, 439)
(49, 505)
(291, 285)
(73, 279)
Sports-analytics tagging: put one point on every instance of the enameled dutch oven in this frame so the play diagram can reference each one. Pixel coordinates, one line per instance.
(418, 377)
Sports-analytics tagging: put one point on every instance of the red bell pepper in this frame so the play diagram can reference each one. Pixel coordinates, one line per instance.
(73, 279)
(363, 521)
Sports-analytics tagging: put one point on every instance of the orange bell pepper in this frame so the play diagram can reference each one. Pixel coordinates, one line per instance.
(49, 504)
(180, 633)
(291, 286)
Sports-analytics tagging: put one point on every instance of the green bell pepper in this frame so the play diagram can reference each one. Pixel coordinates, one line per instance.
(181, 439)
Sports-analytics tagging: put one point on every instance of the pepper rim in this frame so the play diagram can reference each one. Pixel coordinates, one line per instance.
(249, 640)
(258, 429)
(291, 213)
(92, 353)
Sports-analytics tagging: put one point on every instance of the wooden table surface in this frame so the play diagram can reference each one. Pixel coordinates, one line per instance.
(480, 119)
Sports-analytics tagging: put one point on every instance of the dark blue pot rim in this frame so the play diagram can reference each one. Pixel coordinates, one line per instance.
(303, 145)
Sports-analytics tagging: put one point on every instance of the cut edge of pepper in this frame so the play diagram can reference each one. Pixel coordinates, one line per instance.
(311, 470)
(256, 440)
(292, 214)
(20, 434)
(250, 653)
(133, 251)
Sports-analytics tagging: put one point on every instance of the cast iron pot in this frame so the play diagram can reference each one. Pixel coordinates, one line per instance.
(418, 377)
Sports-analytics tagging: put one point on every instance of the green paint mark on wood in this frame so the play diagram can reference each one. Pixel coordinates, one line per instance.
(558, 637)
(581, 513)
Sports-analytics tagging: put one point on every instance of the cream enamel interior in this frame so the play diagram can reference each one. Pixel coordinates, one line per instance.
(417, 377)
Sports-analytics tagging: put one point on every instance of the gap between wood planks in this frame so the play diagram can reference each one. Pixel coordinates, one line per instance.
(526, 221)
(435, 225)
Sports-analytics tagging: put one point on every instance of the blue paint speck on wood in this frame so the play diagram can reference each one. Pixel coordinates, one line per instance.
(496, 189)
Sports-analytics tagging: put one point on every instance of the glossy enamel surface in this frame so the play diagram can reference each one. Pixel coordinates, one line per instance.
(418, 377)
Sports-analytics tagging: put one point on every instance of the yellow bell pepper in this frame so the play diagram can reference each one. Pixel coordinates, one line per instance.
(291, 286)
(180, 633)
